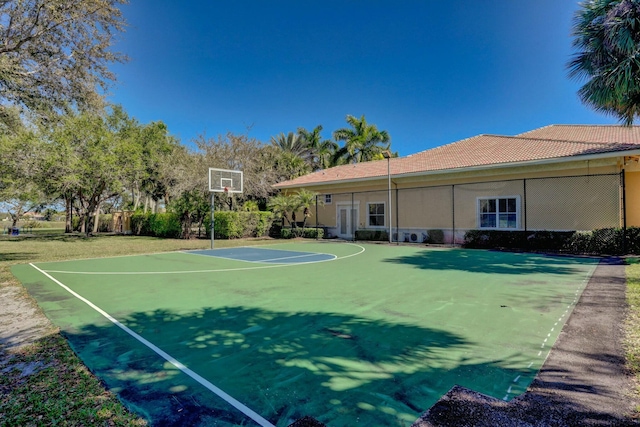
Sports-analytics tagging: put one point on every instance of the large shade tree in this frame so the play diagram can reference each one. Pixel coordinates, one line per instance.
(20, 155)
(362, 142)
(55, 54)
(88, 159)
(83, 165)
(607, 42)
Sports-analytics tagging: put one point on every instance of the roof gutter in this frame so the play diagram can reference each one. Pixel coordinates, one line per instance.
(474, 168)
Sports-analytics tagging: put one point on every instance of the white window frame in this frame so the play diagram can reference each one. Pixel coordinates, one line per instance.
(328, 199)
(384, 216)
(518, 213)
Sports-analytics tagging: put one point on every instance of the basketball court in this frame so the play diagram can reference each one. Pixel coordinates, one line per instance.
(346, 333)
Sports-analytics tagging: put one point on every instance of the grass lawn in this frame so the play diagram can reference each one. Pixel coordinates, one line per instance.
(44, 383)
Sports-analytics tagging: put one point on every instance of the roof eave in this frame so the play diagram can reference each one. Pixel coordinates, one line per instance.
(474, 168)
(338, 181)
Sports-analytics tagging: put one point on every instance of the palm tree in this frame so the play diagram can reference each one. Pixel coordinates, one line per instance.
(362, 142)
(607, 39)
(295, 156)
(322, 151)
(326, 154)
(306, 199)
(292, 143)
(281, 205)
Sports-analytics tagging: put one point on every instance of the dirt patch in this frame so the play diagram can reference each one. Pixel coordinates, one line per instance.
(583, 381)
(21, 320)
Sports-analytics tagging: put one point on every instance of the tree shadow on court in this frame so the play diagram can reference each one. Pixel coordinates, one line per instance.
(491, 262)
(340, 369)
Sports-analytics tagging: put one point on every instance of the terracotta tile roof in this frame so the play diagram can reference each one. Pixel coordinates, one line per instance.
(551, 142)
(587, 133)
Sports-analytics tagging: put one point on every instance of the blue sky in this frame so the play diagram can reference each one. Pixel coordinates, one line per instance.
(429, 72)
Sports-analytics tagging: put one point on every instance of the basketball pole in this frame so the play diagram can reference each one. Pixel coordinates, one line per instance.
(212, 218)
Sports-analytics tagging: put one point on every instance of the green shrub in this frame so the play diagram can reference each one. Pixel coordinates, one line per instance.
(313, 233)
(228, 225)
(435, 236)
(307, 233)
(157, 225)
(604, 241)
(105, 223)
(140, 224)
(633, 240)
(165, 225)
(372, 235)
(75, 223)
(265, 219)
(287, 233)
(237, 224)
(524, 240)
(276, 229)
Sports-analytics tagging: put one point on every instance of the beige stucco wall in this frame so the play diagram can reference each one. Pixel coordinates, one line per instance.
(574, 203)
(425, 202)
(430, 207)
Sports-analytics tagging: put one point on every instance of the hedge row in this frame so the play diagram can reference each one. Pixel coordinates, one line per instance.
(228, 225)
(609, 241)
(236, 225)
(307, 233)
(156, 224)
(372, 235)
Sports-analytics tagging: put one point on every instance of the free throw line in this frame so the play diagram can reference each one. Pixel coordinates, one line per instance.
(220, 393)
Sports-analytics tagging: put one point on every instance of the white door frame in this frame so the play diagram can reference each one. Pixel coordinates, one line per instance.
(351, 220)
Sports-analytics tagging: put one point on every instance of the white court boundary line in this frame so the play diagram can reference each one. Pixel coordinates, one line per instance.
(265, 261)
(220, 393)
(220, 270)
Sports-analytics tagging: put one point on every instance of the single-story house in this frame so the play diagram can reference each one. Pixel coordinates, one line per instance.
(559, 177)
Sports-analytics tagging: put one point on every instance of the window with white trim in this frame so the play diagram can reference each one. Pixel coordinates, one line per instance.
(499, 212)
(375, 215)
(327, 199)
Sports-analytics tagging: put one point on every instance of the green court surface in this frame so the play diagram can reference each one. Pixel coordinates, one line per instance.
(346, 333)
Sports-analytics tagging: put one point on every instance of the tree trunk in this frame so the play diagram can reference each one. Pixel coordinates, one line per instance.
(93, 206)
(96, 218)
(186, 226)
(68, 220)
(136, 197)
(307, 214)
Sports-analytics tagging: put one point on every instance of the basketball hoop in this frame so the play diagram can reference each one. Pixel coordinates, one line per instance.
(228, 182)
